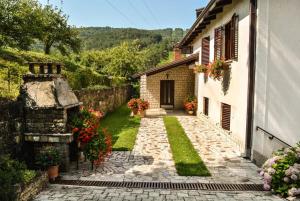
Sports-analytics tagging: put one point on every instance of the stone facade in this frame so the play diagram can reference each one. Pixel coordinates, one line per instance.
(184, 85)
(46, 120)
(105, 100)
(11, 127)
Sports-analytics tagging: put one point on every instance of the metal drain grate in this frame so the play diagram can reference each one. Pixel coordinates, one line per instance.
(165, 185)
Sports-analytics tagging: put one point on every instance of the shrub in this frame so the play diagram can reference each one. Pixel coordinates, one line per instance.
(200, 68)
(143, 105)
(95, 142)
(133, 103)
(217, 68)
(190, 103)
(281, 173)
(12, 172)
(48, 157)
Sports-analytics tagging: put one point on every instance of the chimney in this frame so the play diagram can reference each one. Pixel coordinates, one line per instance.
(199, 11)
(177, 53)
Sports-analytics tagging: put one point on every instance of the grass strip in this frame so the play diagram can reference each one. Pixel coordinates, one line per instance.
(187, 161)
(122, 127)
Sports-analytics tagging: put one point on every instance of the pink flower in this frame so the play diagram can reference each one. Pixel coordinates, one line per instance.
(261, 173)
(267, 187)
(294, 177)
(271, 171)
(286, 179)
(267, 178)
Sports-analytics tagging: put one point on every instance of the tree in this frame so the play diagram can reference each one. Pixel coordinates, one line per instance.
(17, 20)
(57, 33)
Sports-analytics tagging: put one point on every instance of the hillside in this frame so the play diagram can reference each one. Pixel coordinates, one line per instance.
(99, 38)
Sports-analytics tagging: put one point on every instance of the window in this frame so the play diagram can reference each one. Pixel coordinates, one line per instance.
(225, 116)
(205, 105)
(205, 51)
(226, 40)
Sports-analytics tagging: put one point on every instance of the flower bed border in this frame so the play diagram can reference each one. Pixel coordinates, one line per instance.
(29, 191)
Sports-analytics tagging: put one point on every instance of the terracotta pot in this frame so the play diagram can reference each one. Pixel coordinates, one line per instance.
(135, 111)
(191, 112)
(53, 172)
(142, 113)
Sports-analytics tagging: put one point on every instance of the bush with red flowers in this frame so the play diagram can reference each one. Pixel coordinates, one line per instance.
(217, 68)
(143, 105)
(133, 104)
(96, 143)
(190, 103)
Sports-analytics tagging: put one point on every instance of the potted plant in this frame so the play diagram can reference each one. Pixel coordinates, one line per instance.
(217, 68)
(190, 104)
(143, 105)
(133, 104)
(49, 159)
(200, 68)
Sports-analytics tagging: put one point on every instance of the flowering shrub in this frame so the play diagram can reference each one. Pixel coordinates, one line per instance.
(200, 68)
(190, 103)
(48, 157)
(143, 105)
(96, 142)
(133, 104)
(281, 173)
(216, 69)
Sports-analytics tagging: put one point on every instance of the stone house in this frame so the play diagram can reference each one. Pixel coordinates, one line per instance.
(258, 38)
(169, 85)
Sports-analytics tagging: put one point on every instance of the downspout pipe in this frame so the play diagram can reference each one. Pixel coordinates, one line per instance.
(251, 76)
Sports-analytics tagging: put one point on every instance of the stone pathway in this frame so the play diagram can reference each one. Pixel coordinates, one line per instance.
(151, 160)
(220, 154)
(68, 193)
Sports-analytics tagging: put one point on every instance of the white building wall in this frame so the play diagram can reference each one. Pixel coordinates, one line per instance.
(277, 92)
(237, 93)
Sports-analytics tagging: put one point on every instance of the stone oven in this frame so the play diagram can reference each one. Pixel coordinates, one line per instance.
(48, 102)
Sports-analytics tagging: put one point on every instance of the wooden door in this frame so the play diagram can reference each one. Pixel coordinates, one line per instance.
(225, 116)
(167, 93)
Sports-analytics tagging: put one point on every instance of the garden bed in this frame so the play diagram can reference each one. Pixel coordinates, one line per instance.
(122, 127)
(187, 161)
(34, 187)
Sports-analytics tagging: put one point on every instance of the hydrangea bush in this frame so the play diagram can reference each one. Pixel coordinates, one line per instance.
(281, 173)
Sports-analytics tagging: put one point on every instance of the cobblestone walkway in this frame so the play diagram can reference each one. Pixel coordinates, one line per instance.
(220, 153)
(151, 160)
(67, 193)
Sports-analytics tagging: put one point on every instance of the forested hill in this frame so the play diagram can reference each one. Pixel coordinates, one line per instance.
(99, 38)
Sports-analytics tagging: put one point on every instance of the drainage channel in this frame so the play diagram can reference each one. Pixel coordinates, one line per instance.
(164, 185)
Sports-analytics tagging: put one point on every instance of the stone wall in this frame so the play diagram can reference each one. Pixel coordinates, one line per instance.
(45, 120)
(105, 100)
(10, 127)
(184, 86)
(29, 191)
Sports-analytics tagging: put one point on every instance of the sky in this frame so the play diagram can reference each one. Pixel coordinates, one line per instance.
(143, 14)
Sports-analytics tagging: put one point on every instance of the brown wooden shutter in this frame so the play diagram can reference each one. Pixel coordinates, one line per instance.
(205, 105)
(218, 43)
(205, 51)
(225, 116)
(234, 36)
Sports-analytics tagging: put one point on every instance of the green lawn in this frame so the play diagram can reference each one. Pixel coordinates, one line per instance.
(187, 160)
(122, 127)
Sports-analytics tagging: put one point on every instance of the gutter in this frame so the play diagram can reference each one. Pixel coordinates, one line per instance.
(251, 76)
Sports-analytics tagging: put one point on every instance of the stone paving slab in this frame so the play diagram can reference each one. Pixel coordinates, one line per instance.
(151, 158)
(220, 154)
(72, 193)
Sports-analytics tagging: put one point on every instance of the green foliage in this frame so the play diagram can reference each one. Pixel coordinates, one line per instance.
(28, 176)
(187, 160)
(100, 38)
(281, 173)
(55, 31)
(12, 172)
(122, 127)
(48, 157)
